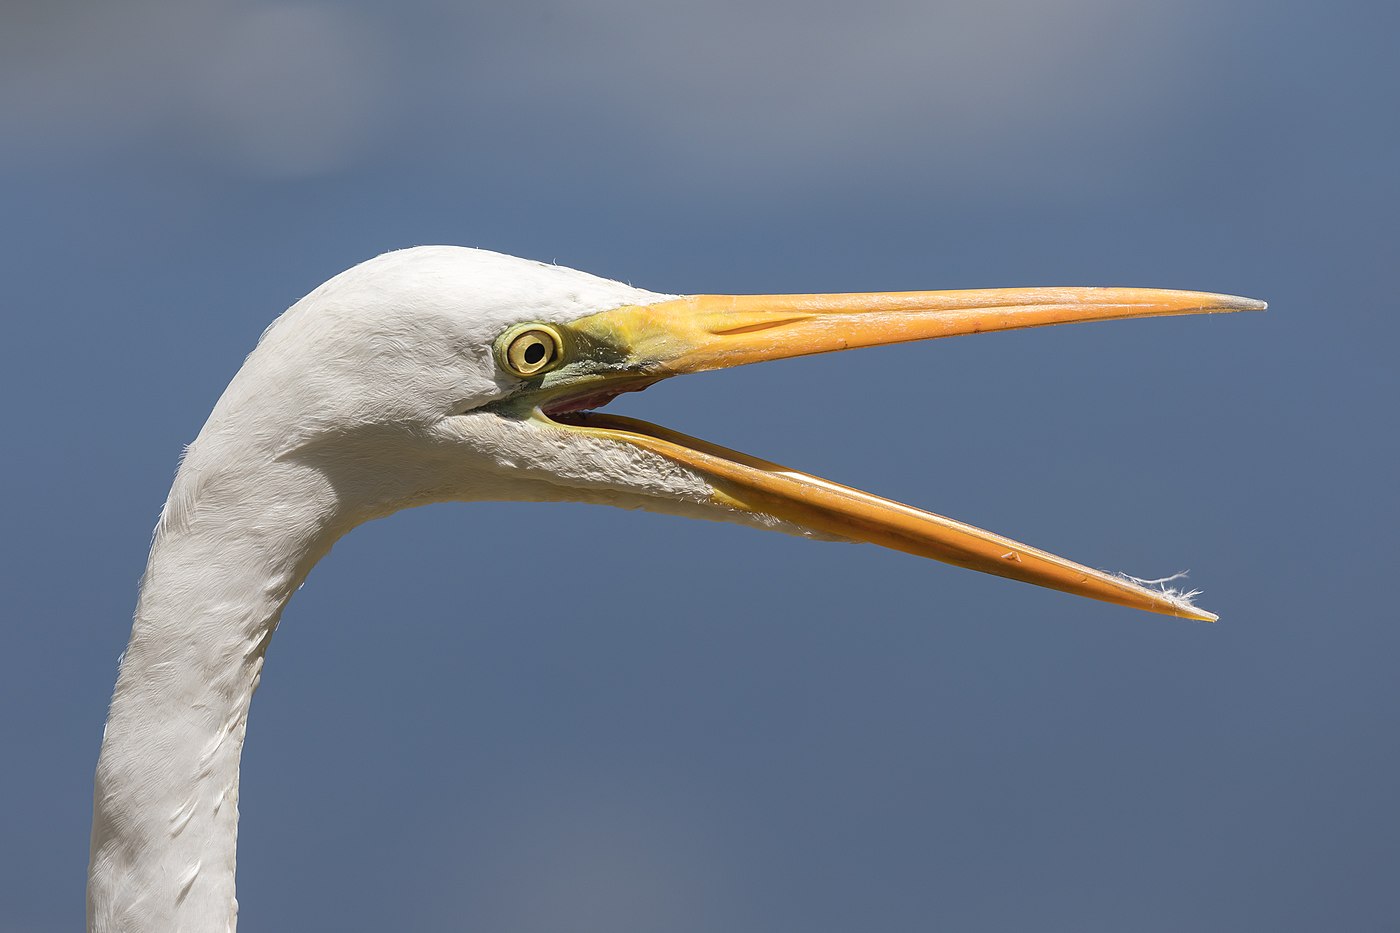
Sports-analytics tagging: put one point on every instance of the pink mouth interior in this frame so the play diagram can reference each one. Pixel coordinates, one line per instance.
(564, 406)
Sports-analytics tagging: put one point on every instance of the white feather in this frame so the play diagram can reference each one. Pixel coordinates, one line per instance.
(360, 400)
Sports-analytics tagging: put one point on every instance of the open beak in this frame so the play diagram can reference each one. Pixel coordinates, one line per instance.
(692, 334)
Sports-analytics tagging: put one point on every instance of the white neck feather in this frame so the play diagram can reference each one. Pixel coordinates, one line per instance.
(232, 547)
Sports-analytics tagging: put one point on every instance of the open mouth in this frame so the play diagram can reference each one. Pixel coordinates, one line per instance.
(646, 343)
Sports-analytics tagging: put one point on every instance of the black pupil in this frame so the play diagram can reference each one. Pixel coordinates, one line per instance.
(534, 353)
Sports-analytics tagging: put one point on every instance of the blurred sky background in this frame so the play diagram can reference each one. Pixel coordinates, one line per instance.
(712, 728)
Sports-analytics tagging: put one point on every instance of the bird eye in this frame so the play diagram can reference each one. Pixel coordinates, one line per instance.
(530, 350)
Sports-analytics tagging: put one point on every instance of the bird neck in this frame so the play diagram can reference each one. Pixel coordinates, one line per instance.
(232, 546)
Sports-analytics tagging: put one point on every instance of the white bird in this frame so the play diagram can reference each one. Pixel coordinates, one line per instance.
(444, 373)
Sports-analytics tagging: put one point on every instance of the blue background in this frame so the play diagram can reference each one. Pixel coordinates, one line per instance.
(703, 727)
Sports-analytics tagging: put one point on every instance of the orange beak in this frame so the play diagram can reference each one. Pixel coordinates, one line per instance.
(707, 332)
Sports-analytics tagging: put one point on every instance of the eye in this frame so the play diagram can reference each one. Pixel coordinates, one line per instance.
(530, 350)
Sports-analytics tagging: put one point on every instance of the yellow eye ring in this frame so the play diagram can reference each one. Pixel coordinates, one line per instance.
(530, 350)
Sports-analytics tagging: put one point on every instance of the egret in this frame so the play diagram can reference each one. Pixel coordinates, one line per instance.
(446, 373)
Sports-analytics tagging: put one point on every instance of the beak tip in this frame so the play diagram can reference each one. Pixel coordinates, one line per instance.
(1246, 304)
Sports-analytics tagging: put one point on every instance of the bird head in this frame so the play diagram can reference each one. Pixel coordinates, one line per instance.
(445, 373)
